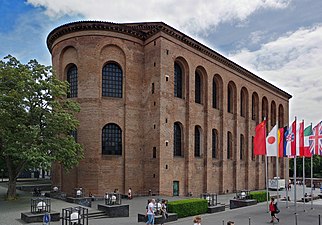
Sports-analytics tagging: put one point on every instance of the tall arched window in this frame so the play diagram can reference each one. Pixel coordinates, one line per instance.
(177, 80)
(198, 88)
(280, 116)
(242, 147)
(111, 140)
(273, 114)
(255, 107)
(197, 142)
(177, 139)
(231, 97)
(215, 94)
(214, 143)
(229, 145)
(72, 79)
(243, 102)
(112, 80)
(265, 111)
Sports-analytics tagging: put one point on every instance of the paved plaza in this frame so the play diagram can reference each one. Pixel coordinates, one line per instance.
(10, 211)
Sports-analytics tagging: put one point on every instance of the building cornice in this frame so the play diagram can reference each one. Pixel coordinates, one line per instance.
(146, 30)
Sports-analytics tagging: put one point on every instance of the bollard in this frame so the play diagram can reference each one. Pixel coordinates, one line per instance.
(319, 219)
(248, 220)
(223, 222)
(295, 219)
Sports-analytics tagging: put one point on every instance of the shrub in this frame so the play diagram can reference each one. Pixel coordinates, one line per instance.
(188, 207)
(260, 196)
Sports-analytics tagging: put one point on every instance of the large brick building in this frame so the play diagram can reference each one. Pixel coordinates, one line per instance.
(161, 112)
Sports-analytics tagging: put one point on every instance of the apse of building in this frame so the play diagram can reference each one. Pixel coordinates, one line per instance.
(162, 113)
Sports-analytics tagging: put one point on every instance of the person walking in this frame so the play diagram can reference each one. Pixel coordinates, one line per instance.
(150, 212)
(129, 194)
(274, 210)
(164, 211)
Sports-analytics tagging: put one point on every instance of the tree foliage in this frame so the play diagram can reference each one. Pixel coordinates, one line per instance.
(36, 119)
(317, 167)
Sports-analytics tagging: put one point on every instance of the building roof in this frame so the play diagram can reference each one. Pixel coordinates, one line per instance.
(144, 31)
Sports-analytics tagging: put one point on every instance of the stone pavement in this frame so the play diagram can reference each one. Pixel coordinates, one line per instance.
(10, 211)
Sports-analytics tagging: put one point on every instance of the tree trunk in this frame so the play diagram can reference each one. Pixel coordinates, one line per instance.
(11, 192)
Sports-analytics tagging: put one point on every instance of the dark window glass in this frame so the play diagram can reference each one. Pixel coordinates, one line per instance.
(197, 142)
(177, 81)
(230, 100)
(242, 104)
(198, 88)
(214, 94)
(214, 143)
(72, 80)
(177, 140)
(112, 140)
(112, 80)
(253, 156)
(229, 145)
(242, 146)
(154, 153)
(253, 107)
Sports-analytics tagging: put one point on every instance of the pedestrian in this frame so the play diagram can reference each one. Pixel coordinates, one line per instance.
(129, 193)
(150, 212)
(164, 212)
(230, 223)
(274, 210)
(197, 220)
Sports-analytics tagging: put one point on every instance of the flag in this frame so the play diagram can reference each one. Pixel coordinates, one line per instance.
(290, 140)
(300, 139)
(280, 141)
(306, 147)
(315, 140)
(260, 139)
(272, 142)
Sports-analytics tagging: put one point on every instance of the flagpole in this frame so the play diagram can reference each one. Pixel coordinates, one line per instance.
(266, 174)
(277, 176)
(312, 181)
(304, 183)
(287, 184)
(295, 183)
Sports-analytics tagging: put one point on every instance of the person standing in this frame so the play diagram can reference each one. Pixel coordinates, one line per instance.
(150, 212)
(273, 209)
(129, 193)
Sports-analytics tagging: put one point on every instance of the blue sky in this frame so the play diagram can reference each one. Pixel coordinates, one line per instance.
(278, 40)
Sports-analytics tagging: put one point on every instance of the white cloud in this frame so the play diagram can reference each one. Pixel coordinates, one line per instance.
(189, 15)
(292, 62)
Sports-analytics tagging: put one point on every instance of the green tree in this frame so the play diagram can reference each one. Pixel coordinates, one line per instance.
(36, 119)
(317, 167)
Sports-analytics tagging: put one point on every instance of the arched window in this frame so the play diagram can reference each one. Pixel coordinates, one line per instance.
(280, 116)
(177, 139)
(243, 102)
(273, 114)
(112, 80)
(111, 140)
(231, 97)
(265, 111)
(214, 143)
(255, 107)
(242, 147)
(253, 155)
(198, 88)
(177, 80)
(215, 94)
(72, 77)
(229, 145)
(197, 142)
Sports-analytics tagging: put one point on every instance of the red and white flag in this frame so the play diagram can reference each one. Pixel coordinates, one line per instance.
(272, 142)
(300, 139)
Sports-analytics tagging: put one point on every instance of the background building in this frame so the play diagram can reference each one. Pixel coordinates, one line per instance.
(161, 112)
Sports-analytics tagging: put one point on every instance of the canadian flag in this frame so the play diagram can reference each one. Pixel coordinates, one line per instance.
(272, 142)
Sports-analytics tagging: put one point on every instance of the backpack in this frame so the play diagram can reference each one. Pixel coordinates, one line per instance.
(276, 208)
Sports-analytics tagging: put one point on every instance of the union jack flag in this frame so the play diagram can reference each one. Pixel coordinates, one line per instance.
(315, 140)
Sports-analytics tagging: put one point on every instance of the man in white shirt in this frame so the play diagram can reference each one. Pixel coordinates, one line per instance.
(150, 212)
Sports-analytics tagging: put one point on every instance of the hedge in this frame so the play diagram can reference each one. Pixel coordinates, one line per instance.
(260, 196)
(188, 207)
